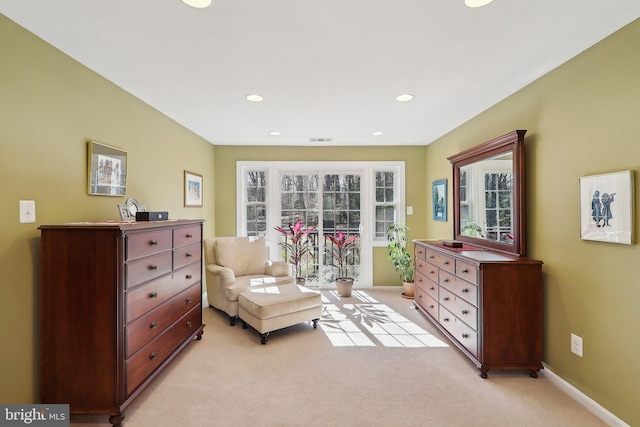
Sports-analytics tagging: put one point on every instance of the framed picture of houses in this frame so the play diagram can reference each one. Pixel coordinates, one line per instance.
(107, 170)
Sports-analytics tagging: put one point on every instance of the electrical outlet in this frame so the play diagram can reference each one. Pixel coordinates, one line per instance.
(576, 345)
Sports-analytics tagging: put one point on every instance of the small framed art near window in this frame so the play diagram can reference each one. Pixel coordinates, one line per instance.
(192, 189)
(439, 197)
(107, 170)
(606, 207)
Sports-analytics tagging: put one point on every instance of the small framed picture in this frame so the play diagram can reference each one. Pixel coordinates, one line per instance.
(107, 170)
(439, 198)
(125, 213)
(606, 207)
(192, 189)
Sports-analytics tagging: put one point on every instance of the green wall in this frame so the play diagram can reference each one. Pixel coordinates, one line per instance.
(581, 121)
(49, 106)
(414, 157)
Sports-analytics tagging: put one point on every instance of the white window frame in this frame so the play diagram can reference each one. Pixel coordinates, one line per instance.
(368, 170)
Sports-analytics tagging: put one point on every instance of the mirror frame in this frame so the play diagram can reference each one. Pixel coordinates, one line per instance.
(512, 142)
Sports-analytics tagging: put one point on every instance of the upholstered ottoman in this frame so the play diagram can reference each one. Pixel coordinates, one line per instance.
(276, 307)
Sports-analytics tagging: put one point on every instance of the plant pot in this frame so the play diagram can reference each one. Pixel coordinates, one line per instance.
(344, 286)
(301, 281)
(408, 289)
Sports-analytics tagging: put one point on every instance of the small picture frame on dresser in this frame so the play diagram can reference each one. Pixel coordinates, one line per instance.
(439, 199)
(125, 213)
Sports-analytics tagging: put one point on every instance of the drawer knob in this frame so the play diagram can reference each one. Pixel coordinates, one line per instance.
(153, 243)
(465, 335)
(189, 324)
(189, 236)
(189, 255)
(431, 256)
(419, 296)
(189, 300)
(153, 267)
(446, 298)
(465, 290)
(465, 311)
(446, 319)
(465, 270)
(446, 263)
(432, 288)
(431, 306)
(153, 325)
(189, 276)
(153, 356)
(446, 280)
(153, 295)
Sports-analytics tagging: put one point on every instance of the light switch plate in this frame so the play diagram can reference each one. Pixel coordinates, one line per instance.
(27, 211)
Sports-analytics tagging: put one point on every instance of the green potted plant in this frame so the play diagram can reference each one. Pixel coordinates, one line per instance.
(472, 229)
(400, 257)
(296, 244)
(342, 250)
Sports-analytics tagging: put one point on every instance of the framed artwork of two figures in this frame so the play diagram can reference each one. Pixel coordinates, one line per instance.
(607, 207)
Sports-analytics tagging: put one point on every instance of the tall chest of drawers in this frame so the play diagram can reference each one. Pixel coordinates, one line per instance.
(489, 304)
(118, 303)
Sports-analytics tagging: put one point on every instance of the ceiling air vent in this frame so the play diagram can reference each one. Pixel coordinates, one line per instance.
(320, 139)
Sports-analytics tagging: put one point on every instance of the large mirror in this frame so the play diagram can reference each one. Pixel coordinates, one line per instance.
(488, 194)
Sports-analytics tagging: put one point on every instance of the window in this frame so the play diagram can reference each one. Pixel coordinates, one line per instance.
(255, 203)
(361, 198)
(385, 203)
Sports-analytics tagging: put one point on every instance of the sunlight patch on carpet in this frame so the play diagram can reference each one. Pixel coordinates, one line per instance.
(364, 321)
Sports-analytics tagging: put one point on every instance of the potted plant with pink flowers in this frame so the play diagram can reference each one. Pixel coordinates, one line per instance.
(297, 246)
(342, 250)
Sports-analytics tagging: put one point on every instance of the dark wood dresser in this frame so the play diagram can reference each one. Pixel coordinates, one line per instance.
(488, 303)
(118, 302)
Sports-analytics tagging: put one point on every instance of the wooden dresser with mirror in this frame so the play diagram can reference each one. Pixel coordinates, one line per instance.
(480, 289)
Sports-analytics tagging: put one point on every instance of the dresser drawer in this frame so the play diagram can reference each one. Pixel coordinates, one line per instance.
(460, 331)
(419, 252)
(459, 307)
(155, 322)
(144, 244)
(441, 260)
(152, 355)
(145, 298)
(184, 236)
(146, 269)
(186, 255)
(428, 286)
(462, 288)
(426, 302)
(467, 271)
(428, 270)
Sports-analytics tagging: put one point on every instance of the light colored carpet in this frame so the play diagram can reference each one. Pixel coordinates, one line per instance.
(373, 361)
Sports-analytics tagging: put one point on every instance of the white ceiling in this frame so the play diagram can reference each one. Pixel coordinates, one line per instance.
(327, 69)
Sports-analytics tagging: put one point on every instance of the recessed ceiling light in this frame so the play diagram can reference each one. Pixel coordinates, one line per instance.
(377, 133)
(274, 133)
(476, 3)
(254, 98)
(404, 97)
(198, 4)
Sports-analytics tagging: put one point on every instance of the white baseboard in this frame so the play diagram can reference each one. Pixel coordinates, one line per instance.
(583, 399)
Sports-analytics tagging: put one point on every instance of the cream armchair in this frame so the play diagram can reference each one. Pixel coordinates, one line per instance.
(236, 264)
